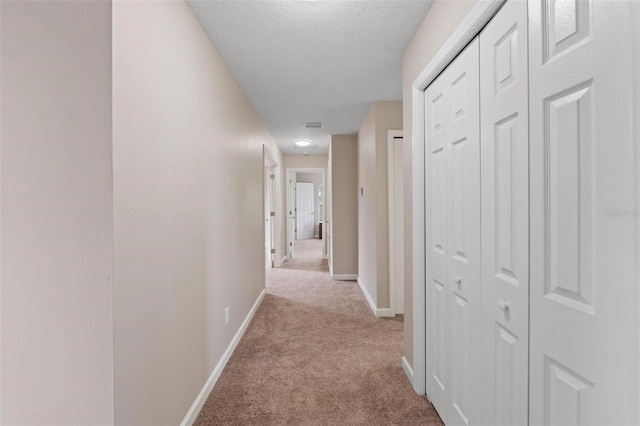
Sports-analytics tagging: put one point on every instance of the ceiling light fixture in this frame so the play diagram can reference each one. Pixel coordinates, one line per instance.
(302, 142)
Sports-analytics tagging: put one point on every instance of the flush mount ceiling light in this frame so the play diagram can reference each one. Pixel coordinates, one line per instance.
(302, 142)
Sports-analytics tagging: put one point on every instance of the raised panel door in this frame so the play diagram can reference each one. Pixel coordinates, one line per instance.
(584, 307)
(505, 221)
(452, 160)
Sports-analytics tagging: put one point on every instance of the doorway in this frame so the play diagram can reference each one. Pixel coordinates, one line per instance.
(306, 212)
(270, 203)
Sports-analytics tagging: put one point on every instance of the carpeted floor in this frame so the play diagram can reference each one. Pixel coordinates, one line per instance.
(315, 355)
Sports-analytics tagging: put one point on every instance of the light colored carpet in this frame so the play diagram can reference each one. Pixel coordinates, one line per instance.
(315, 355)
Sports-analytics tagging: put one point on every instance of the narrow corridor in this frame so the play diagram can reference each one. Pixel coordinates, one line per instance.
(314, 354)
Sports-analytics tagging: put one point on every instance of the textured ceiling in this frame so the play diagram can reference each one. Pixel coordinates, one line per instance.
(322, 61)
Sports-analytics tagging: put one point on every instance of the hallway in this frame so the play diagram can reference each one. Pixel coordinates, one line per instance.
(314, 354)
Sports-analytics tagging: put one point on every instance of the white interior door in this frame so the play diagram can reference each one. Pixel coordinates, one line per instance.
(453, 238)
(304, 210)
(437, 244)
(584, 248)
(505, 221)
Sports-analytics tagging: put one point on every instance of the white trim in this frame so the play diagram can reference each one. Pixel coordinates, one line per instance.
(384, 313)
(372, 305)
(193, 412)
(270, 162)
(289, 199)
(378, 312)
(408, 371)
(284, 259)
(477, 18)
(468, 29)
(344, 277)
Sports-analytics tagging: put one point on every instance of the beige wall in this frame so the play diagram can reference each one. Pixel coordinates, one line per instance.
(188, 212)
(441, 21)
(57, 324)
(318, 161)
(367, 214)
(343, 205)
(373, 214)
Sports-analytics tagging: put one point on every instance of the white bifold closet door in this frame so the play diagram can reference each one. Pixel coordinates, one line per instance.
(453, 238)
(505, 217)
(584, 225)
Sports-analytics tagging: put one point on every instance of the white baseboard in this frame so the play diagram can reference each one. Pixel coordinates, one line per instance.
(344, 277)
(372, 305)
(407, 370)
(385, 312)
(378, 312)
(193, 412)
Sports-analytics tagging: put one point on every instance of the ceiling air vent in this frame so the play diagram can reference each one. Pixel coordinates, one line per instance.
(313, 125)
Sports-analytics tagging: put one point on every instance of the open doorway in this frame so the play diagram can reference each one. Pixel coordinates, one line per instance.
(270, 203)
(306, 213)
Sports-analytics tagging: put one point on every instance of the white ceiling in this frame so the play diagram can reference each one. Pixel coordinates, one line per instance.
(322, 61)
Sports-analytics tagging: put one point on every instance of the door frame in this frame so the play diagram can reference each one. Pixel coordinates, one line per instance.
(270, 163)
(290, 171)
(394, 268)
(470, 27)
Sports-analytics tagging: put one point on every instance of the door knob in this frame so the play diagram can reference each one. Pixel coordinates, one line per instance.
(503, 306)
(457, 280)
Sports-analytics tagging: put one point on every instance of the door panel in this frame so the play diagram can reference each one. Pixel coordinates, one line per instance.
(505, 206)
(584, 311)
(437, 246)
(463, 139)
(453, 236)
(305, 207)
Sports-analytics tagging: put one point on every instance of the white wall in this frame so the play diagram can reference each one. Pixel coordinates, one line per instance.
(57, 324)
(188, 213)
(373, 210)
(441, 21)
(343, 204)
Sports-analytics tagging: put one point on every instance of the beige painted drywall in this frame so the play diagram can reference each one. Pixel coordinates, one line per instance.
(316, 180)
(441, 21)
(188, 212)
(343, 205)
(306, 161)
(57, 324)
(367, 248)
(373, 213)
